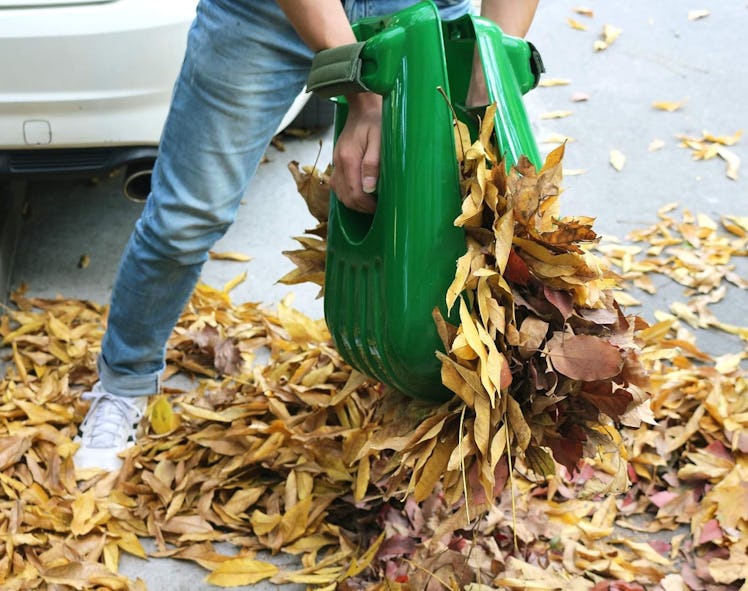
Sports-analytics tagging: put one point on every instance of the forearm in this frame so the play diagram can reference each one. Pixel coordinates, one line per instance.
(513, 16)
(321, 24)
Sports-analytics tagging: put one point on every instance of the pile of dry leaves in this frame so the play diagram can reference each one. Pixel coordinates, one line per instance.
(561, 401)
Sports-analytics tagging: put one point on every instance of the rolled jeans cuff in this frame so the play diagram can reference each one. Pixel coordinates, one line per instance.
(127, 385)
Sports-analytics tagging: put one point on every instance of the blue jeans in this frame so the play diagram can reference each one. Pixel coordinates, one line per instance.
(243, 67)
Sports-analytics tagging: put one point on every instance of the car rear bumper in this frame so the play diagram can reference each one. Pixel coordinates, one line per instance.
(71, 161)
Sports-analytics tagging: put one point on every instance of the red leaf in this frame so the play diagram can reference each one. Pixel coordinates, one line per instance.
(516, 270)
(561, 300)
(395, 546)
(566, 452)
(600, 394)
(662, 498)
(710, 532)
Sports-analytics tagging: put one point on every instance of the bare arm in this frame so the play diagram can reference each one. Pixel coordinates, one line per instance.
(514, 17)
(323, 24)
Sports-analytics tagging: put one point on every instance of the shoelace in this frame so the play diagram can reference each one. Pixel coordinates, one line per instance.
(113, 418)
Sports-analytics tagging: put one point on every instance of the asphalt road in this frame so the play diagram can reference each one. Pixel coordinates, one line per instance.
(660, 55)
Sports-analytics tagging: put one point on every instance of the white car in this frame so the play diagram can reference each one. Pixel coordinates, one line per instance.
(85, 85)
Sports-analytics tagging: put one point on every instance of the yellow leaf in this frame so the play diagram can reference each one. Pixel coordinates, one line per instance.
(317, 376)
(162, 416)
(462, 140)
(498, 445)
(482, 424)
(517, 424)
(231, 284)
(497, 365)
(554, 82)
(84, 575)
(541, 253)
(608, 36)
(503, 229)
(724, 140)
(486, 131)
(694, 15)
(294, 522)
(555, 138)
(738, 225)
(474, 341)
(668, 106)
(58, 329)
(575, 24)
(237, 572)
(646, 552)
(555, 114)
(731, 495)
(204, 413)
(83, 509)
(318, 577)
(362, 479)
(625, 299)
(111, 555)
(617, 159)
(25, 328)
(229, 256)
(732, 569)
(434, 468)
(461, 349)
(656, 144)
(358, 565)
(554, 157)
(38, 415)
(461, 276)
(732, 160)
(460, 380)
(611, 33)
(262, 523)
(299, 326)
(130, 543)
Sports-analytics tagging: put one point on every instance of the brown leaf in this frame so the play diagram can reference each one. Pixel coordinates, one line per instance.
(314, 187)
(611, 402)
(584, 357)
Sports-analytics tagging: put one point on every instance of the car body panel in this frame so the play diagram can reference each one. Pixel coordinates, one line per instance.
(87, 77)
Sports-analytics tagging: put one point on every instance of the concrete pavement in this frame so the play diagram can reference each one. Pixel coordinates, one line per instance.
(660, 55)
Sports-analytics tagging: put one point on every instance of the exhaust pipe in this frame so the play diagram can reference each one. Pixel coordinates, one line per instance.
(137, 182)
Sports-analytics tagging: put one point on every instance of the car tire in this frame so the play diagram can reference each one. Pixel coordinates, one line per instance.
(317, 113)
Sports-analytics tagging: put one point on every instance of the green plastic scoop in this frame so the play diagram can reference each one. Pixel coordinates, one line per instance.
(386, 272)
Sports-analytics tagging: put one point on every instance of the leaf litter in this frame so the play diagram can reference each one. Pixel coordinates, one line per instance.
(709, 146)
(575, 429)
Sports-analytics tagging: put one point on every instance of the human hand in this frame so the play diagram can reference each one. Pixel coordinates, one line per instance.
(356, 154)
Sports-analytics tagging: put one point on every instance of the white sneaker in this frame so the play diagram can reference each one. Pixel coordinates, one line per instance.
(108, 429)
